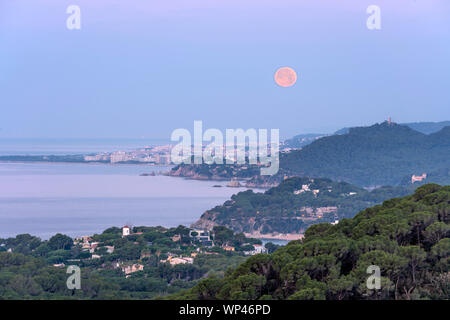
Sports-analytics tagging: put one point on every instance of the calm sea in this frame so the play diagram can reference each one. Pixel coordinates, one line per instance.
(81, 199)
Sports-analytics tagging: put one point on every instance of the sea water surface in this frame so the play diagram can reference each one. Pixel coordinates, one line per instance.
(43, 199)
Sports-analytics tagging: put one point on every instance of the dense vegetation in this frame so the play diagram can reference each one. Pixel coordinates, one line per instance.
(215, 171)
(34, 269)
(408, 238)
(428, 127)
(382, 154)
(281, 210)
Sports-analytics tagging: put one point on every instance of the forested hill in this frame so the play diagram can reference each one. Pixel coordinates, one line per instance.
(423, 127)
(407, 238)
(382, 154)
(294, 205)
(301, 140)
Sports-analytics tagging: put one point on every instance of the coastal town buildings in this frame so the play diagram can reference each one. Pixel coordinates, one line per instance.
(109, 249)
(159, 155)
(312, 214)
(132, 268)
(179, 260)
(103, 157)
(120, 156)
(98, 249)
(306, 188)
(126, 231)
(202, 236)
(93, 246)
(257, 249)
(415, 178)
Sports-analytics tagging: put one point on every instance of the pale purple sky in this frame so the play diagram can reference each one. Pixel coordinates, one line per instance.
(145, 68)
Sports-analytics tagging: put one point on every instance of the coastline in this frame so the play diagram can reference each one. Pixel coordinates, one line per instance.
(88, 163)
(247, 182)
(189, 175)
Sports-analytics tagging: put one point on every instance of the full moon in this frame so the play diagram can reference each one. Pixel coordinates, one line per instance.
(285, 77)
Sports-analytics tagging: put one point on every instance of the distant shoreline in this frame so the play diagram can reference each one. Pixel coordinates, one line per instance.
(275, 236)
(86, 162)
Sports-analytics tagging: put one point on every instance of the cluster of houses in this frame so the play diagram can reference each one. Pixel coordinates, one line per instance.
(203, 237)
(174, 260)
(312, 214)
(315, 192)
(155, 155)
(306, 188)
(87, 244)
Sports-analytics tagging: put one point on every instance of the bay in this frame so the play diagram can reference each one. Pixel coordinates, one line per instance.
(81, 199)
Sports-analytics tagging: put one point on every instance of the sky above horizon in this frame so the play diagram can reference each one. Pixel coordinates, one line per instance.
(141, 69)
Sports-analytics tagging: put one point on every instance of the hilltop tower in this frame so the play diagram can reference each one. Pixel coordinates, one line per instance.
(126, 231)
